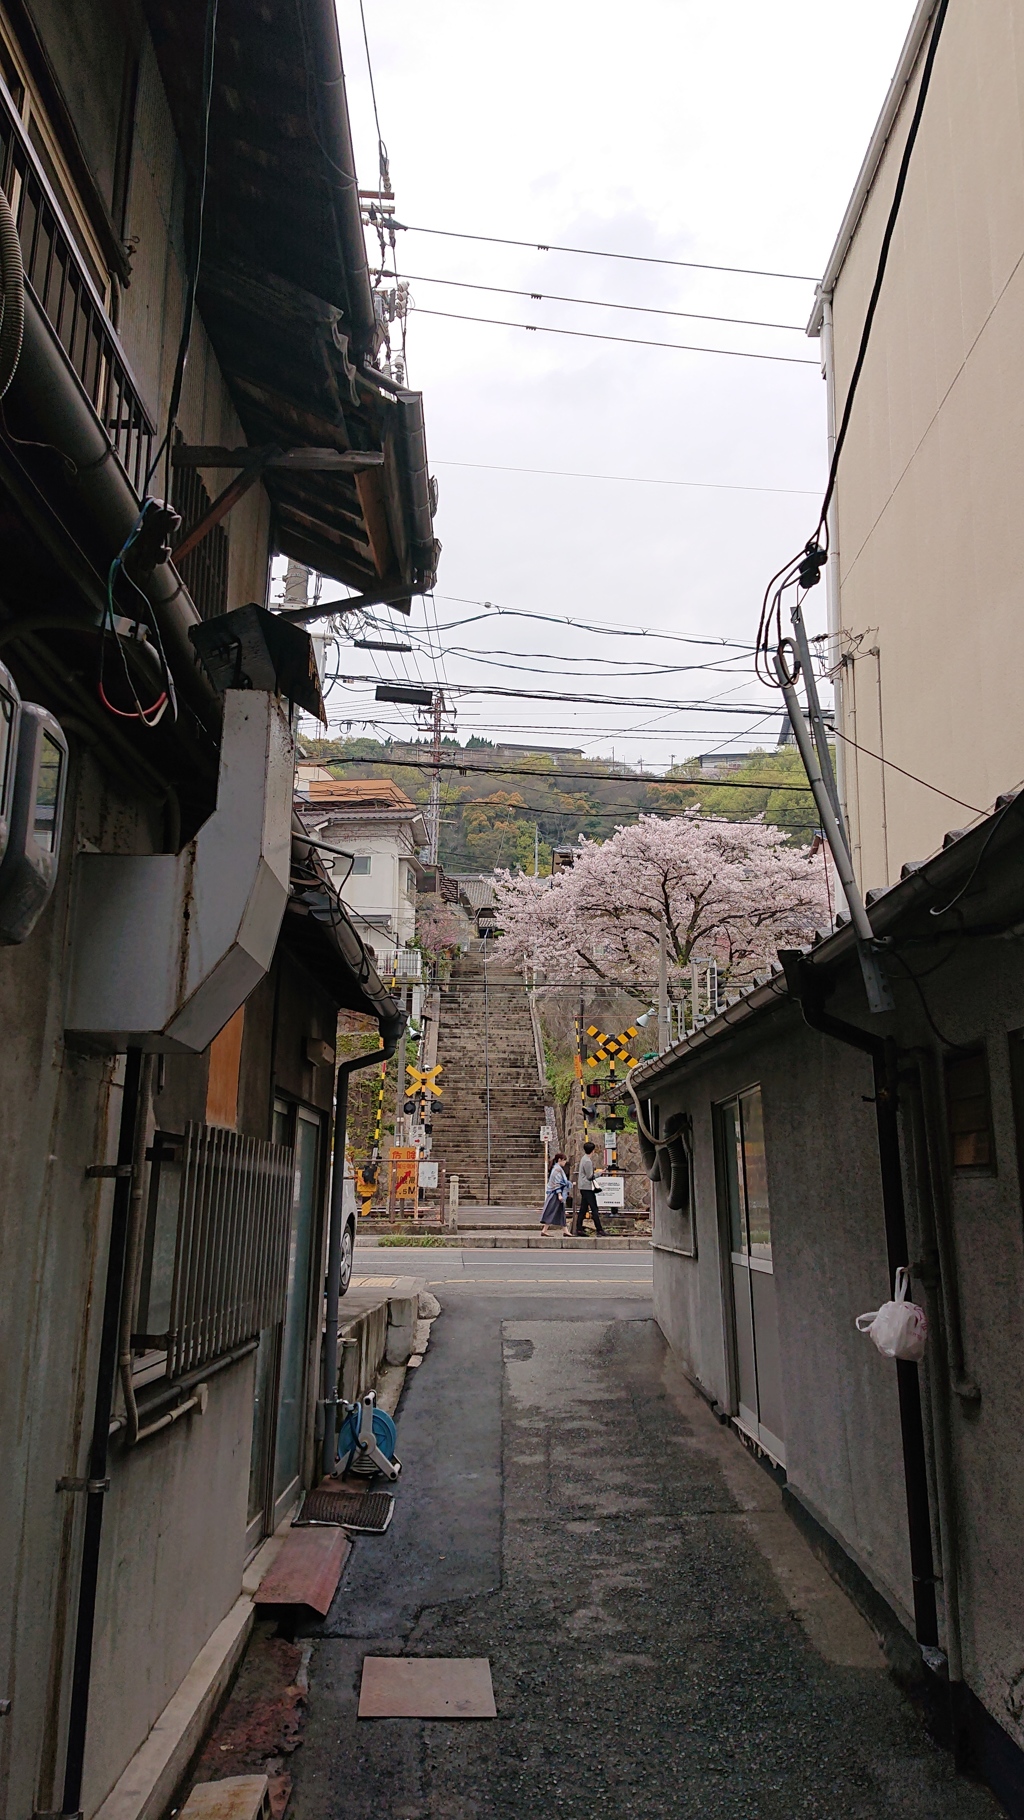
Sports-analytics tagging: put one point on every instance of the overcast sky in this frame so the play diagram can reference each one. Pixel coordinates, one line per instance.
(730, 134)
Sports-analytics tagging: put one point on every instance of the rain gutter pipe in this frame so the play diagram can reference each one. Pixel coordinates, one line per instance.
(939, 1291)
(882, 1050)
(336, 1232)
(96, 1484)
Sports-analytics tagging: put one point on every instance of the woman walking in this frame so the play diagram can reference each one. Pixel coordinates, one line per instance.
(553, 1216)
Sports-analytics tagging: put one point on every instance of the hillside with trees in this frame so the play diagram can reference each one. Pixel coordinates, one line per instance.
(493, 803)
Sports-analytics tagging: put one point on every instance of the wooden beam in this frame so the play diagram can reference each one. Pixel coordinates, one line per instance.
(302, 459)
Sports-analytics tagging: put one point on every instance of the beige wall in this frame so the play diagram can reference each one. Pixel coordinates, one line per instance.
(931, 532)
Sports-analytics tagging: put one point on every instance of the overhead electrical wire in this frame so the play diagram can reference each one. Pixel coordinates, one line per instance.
(634, 341)
(589, 701)
(465, 764)
(633, 480)
(588, 252)
(601, 303)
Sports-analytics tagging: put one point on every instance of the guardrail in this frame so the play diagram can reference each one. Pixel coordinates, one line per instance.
(56, 271)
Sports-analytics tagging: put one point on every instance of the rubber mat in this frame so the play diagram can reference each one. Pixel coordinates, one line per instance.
(369, 1512)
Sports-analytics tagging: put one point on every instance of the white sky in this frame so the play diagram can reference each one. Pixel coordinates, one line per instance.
(727, 133)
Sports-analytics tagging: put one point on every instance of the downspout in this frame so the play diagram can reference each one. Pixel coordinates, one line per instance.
(335, 1233)
(940, 1374)
(97, 1482)
(882, 1050)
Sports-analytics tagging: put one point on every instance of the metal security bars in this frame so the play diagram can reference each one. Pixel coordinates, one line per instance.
(230, 1244)
(58, 272)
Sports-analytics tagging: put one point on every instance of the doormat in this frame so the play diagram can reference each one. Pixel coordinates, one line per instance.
(368, 1512)
(426, 1687)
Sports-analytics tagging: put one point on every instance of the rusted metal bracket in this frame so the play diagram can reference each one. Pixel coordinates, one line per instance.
(252, 464)
(89, 1485)
(108, 1171)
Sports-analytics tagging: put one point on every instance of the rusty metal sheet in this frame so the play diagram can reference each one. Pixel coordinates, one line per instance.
(307, 1569)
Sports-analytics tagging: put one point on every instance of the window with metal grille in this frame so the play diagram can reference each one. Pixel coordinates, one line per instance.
(969, 1112)
(214, 1264)
(205, 570)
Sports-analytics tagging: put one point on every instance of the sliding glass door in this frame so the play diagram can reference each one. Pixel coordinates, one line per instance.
(743, 1189)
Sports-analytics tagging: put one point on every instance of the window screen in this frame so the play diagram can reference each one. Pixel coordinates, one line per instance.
(969, 1111)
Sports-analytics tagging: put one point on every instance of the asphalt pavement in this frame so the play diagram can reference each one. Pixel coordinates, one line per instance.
(661, 1640)
(509, 1273)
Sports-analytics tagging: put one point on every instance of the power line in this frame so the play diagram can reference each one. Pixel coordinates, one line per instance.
(589, 252)
(635, 341)
(600, 303)
(590, 777)
(635, 480)
(592, 700)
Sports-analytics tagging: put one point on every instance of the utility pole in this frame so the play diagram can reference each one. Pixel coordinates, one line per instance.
(536, 849)
(437, 711)
(664, 1034)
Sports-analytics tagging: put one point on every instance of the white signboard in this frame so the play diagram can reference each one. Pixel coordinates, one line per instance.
(611, 1190)
(428, 1175)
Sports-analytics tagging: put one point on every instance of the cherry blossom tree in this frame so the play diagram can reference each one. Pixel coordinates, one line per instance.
(725, 891)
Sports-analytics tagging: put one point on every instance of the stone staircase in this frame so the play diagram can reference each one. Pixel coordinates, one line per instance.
(479, 1037)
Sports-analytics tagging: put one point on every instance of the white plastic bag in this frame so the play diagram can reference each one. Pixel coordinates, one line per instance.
(900, 1328)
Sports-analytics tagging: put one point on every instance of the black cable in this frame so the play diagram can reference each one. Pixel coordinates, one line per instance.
(600, 303)
(195, 255)
(946, 1041)
(817, 546)
(883, 257)
(997, 822)
(633, 341)
(587, 252)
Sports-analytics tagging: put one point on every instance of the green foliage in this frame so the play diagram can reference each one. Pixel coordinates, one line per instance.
(488, 817)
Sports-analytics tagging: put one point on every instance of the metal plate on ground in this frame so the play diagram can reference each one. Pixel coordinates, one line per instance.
(367, 1512)
(426, 1687)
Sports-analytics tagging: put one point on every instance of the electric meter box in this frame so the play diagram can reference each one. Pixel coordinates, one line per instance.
(28, 870)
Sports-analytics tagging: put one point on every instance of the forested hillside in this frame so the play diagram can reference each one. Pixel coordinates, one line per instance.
(493, 802)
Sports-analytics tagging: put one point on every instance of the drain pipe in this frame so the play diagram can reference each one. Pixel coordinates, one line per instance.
(97, 1482)
(882, 1050)
(939, 1377)
(336, 1230)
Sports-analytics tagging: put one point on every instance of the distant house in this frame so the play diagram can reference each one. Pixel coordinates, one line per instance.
(382, 831)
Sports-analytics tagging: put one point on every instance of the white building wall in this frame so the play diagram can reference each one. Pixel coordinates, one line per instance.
(931, 535)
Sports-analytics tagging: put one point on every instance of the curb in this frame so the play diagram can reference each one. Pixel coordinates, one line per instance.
(507, 1241)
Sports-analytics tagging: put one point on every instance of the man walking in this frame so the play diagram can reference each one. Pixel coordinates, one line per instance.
(587, 1196)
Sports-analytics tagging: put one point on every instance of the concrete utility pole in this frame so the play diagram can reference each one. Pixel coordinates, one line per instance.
(536, 849)
(296, 584)
(437, 710)
(664, 1033)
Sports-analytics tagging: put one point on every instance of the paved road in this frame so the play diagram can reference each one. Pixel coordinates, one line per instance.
(510, 1273)
(662, 1642)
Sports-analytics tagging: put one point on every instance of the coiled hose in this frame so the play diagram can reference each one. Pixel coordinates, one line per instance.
(12, 295)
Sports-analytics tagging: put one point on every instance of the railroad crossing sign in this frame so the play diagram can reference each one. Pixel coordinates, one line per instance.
(612, 1049)
(424, 1080)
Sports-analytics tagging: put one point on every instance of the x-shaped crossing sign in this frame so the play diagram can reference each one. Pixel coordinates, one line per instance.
(424, 1080)
(612, 1048)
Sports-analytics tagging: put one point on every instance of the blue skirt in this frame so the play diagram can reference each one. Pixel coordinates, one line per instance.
(554, 1211)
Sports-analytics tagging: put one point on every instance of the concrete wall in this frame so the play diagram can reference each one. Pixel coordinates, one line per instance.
(175, 1518)
(842, 1429)
(931, 536)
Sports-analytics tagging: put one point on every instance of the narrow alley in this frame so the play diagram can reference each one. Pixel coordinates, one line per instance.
(662, 1641)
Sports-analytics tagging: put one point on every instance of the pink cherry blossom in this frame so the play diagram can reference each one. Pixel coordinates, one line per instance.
(731, 892)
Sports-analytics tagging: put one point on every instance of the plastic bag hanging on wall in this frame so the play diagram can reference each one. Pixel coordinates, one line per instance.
(899, 1328)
